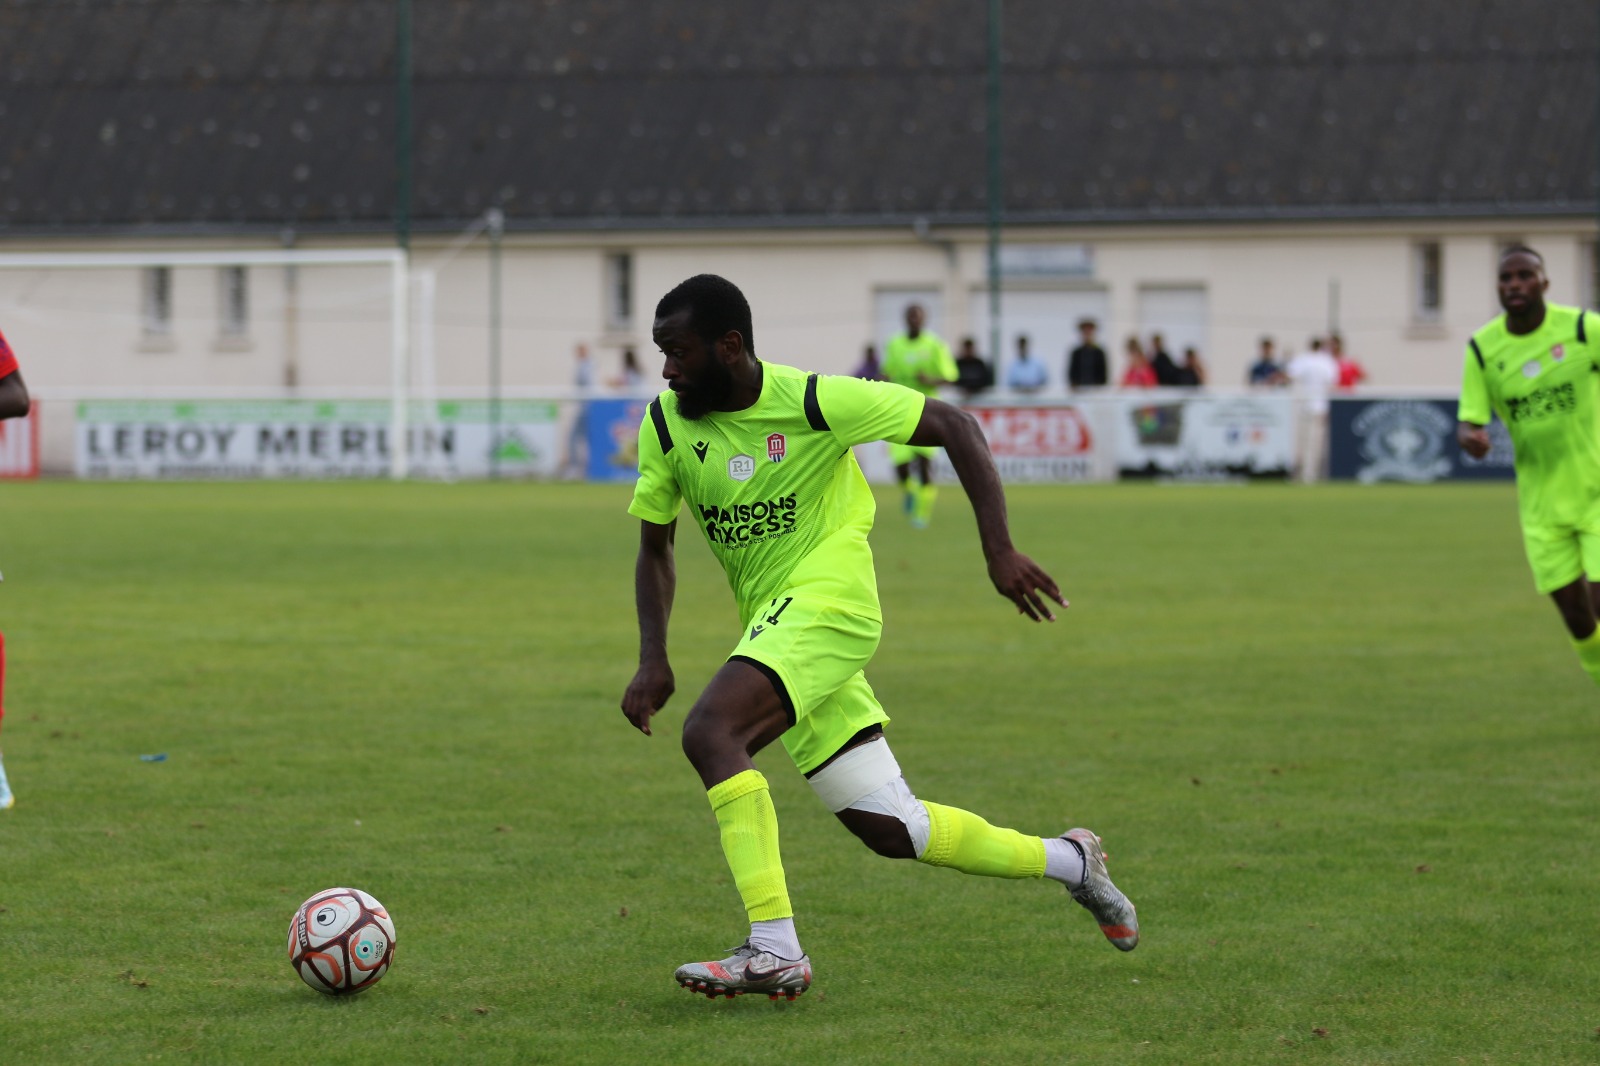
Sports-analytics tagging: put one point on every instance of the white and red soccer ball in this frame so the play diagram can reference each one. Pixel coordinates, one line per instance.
(341, 941)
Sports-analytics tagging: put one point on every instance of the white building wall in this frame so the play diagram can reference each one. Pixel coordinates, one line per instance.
(813, 294)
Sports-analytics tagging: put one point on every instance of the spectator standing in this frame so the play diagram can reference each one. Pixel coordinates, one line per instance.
(1265, 370)
(973, 373)
(1351, 372)
(14, 403)
(1161, 362)
(1191, 372)
(577, 457)
(1026, 375)
(1086, 365)
(1313, 373)
(869, 369)
(920, 360)
(1139, 374)
(630, 377)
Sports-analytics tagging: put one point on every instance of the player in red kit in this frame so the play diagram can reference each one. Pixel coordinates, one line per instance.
(13, 404)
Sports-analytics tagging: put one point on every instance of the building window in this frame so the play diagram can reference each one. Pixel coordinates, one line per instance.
(233, 303)
(1428, 272)
(619, 291)
(157, 301)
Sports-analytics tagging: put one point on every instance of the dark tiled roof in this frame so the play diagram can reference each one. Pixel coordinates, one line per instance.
(183, 114)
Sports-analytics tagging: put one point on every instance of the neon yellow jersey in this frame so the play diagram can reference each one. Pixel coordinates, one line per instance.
(775, 488)
(1545, 386)
(904, 358)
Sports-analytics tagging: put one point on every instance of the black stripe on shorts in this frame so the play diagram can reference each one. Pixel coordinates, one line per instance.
(777, 682)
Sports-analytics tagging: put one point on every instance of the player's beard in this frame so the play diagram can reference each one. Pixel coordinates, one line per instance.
(700, 397)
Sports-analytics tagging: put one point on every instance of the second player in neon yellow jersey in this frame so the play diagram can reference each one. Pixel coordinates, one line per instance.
(1538, 367)
(758, 456)
(918, 359)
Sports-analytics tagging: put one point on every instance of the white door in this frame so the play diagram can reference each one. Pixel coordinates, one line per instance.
(889, 314)
(1048, 319)
(1177, 312)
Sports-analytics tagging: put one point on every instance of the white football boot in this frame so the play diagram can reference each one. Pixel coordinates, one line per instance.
(747, 970)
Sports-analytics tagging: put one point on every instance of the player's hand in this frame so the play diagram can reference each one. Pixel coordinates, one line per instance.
(1474, 440)
(1020, 580)
(652, 686)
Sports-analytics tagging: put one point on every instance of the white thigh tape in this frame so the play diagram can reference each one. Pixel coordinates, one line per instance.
(857, 773)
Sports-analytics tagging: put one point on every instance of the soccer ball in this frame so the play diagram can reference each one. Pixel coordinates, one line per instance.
(341, 941)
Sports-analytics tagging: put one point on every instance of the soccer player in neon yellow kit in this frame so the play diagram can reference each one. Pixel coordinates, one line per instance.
(1538, 367)
(918, 359)
(760, 453)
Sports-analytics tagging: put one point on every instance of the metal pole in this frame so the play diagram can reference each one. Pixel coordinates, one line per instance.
(402, 125)
(497, 227)
(291, 317)
(994, 183)
(400, 369)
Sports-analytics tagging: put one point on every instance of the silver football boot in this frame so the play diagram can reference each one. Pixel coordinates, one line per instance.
(1111, 909)
(747, 970)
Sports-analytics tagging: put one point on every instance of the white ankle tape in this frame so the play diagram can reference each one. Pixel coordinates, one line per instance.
(868, 779)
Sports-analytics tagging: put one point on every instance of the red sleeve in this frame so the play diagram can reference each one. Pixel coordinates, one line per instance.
(8, 360)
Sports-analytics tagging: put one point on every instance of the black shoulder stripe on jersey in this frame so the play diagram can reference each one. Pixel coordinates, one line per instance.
(659, 417)
(1582, 336)
(813, 409)
(1477, 352)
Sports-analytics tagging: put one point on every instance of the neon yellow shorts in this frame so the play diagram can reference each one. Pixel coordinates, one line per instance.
(900, 454)
(1559, 555)
(814, 651)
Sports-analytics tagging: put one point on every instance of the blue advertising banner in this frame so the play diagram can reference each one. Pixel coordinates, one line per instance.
(613, 427)
(1410, 440)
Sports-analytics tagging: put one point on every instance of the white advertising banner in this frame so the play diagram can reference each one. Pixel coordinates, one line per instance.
(245, 439)
(19, 445)
(1205, 438)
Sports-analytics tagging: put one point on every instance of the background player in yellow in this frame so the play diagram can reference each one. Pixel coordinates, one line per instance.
(1536, 366)
(918, 359)
(760, 454)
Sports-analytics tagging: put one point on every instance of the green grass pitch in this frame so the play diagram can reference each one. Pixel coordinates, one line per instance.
(1340, 752)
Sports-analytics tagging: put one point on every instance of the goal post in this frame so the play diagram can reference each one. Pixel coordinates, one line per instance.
(399, 294)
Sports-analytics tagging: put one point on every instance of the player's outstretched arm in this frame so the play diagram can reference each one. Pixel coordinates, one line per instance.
(1473, 439)
(14, 402)
(1015, 576)
(655, 579)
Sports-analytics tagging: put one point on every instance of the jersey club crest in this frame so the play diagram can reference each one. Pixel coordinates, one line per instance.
(775, 446)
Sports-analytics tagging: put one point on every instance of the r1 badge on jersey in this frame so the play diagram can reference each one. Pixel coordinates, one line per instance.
(741, 467)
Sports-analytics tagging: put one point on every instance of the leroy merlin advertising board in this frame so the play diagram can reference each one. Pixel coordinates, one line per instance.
(245, 439)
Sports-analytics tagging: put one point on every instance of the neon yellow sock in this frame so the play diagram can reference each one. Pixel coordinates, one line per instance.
(963, 841)
(925, 497)
(1588, 650)
(749, 824)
